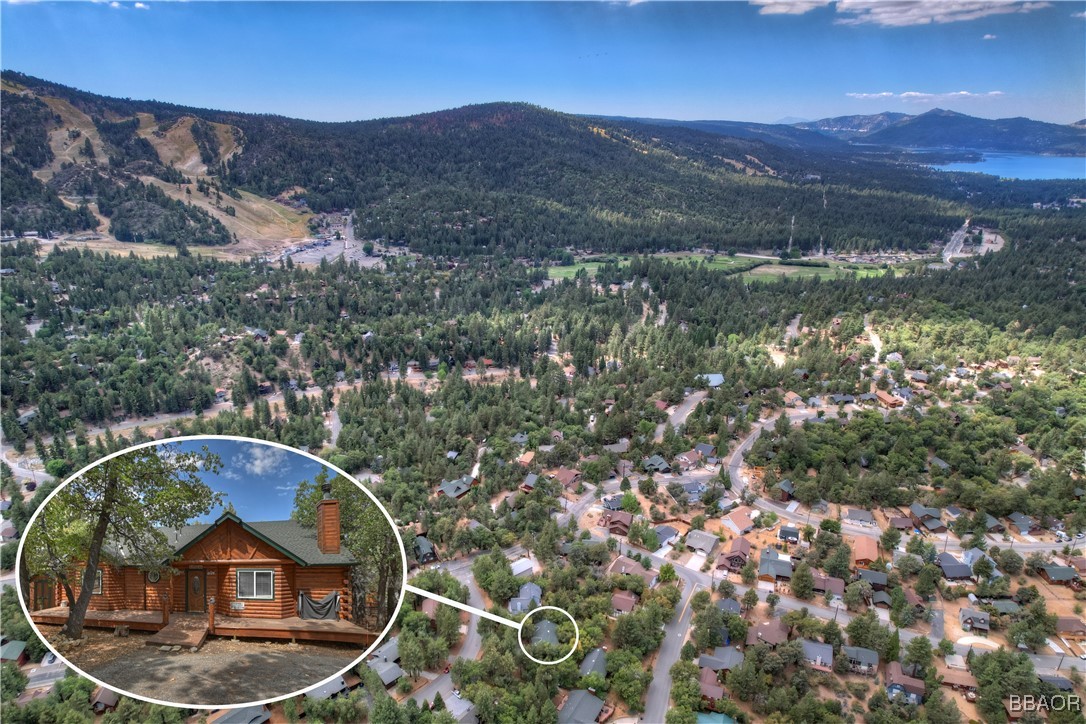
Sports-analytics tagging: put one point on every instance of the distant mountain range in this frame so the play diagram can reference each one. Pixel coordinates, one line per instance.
(936, 129)
(508, 178)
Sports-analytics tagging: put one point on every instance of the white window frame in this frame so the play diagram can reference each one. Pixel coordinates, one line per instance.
(97, 590)
(253, 571)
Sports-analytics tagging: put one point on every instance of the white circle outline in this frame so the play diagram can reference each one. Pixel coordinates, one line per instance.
(193, 438)
(567, 614)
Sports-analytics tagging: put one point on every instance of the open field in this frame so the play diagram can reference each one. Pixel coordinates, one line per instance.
(777, 270)
(751, 268)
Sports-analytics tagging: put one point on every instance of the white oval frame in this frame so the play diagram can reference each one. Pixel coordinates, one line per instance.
(235, 438)
(576, 634)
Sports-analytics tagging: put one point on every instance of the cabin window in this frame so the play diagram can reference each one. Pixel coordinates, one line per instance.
(97, 582)
(256, 584)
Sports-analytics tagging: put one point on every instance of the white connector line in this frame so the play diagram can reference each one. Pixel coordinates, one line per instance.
(464, 607)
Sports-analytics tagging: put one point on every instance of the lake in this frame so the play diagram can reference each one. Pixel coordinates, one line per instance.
(1023, 166)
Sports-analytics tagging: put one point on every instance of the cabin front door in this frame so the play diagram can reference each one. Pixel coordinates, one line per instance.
(43, 593)
(196, 591)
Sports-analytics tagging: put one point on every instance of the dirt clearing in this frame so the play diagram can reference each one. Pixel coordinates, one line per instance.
(223, 671)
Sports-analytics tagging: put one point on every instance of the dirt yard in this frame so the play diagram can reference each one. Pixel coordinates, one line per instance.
(222, 672)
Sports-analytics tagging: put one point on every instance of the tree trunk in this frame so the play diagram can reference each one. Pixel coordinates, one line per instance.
(73, 628)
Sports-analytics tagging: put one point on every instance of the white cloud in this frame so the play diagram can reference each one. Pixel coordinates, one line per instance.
(901, 13)
(989, 36)
(777, 7)
(115, 5)
(922, 97)
(1079, 15)
(141, 6)
(260, 459)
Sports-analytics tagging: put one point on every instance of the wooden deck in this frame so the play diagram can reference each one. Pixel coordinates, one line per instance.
(291, 629)
(135, 620)
(184, 629)
(294, 628)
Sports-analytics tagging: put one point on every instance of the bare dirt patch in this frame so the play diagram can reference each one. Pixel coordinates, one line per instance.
(223, 671)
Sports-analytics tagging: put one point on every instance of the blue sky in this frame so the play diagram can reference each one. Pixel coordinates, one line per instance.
(737, 61)
(259, 480)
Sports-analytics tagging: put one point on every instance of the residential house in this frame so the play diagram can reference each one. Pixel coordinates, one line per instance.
(701, 541)
(953, 569)
(971, 619)
(705, 449)
(898, 685)
(817, 655)
(1006, 607)
(521, 438)
(580, 707)
(824, 584)
(712, 380)
(424, 550)
(595, 663)
(709, 683)
(925, 518)
(666, 535)
(739, 521)
(1071, 628)
(959, 680)
(887, 400)
(774, 569)
(613, 503)
(902, 523)
(528, 598)
(688, 460)
(618, 522)
(384, 661)
(693, 491)
(522, 567)
(971, 556)
(992, 525)
(526, 458)
(773, 632)
(859, 516)
(1060, 683)
(567, 478)
(723, 658)
(104, 700)
(865, 551)
(877, 579)
(628, 566)
(788, 534)
(1060, 575)
(546, 632)
(861, 660)
(623, 602)
(13, 652)
(655, 464)
(730, 606)
(264, 570)
(1078, 563)
(881, 599)
(792, 399)
(786, 490)
(458, 488)
(530, 481)
(1022, 524)
(737, 555)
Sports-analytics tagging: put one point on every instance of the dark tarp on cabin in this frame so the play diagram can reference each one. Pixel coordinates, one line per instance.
(327, 607)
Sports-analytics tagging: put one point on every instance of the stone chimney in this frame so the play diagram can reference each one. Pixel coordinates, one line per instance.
(328, 533)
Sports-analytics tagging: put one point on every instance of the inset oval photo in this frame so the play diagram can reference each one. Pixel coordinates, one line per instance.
(210, 571)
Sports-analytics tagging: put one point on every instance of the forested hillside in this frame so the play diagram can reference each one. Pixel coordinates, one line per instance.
(507, 177)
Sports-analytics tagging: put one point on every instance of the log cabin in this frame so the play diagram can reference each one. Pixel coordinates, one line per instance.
(258, 570)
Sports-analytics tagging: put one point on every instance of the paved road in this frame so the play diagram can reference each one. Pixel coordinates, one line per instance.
(658, 697)
(682, 411)
(473, 641)
(954, 246)
(876, 341)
